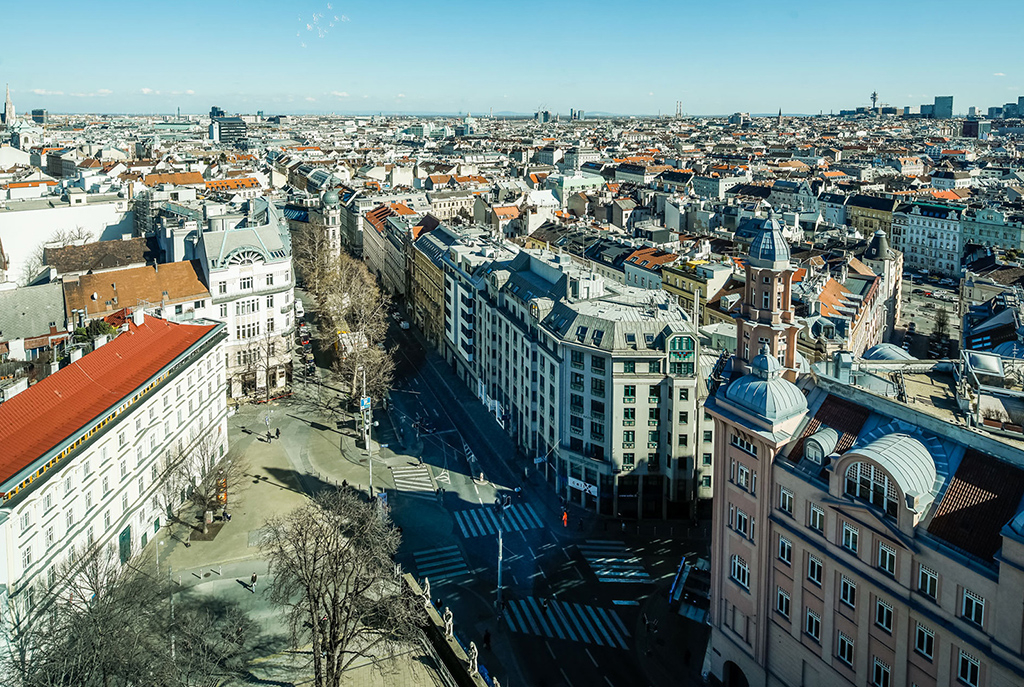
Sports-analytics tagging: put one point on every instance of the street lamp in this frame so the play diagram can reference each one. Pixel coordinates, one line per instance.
(367, 415)
(502, 501)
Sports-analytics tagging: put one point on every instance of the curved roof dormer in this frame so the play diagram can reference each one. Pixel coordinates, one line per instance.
(892, 462)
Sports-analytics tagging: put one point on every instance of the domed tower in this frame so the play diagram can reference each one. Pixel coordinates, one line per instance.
(767, 317)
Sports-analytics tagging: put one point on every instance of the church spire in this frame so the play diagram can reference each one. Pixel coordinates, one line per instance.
(8, 108)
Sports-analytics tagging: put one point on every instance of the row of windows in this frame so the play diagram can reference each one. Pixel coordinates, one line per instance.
(968, 667)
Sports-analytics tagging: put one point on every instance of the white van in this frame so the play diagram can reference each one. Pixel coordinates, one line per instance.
(299, 312)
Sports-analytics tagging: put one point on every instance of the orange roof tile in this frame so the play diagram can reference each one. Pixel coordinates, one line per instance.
(88, 389)
(176, 178)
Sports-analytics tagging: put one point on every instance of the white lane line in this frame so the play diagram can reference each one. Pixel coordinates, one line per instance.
(592, 659)
(567, 680)
(540, 616)
(611, 627)
(606, 679)
(579, 628)
(600, 625)
(550, 650)
(556, 607)
(477, 489)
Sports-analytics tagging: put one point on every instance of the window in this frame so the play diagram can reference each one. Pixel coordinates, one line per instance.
(924, 641)
(707, 437)
(106, 520)
(121, 439)
(816, 521)
(742, 522)
(106, 486)
(49, 537)
(705, 481)
(629, 367)
(628, 438)
(683, 439)
(69, 519)
(705, 459)
(654, 367)
(785, 500)
(785, 551)
(48, 501)
(684, 417)
(26, 557)
(222, 287)
(245, 283)
(812, 625)
(848, 591)
(928, 582)
(88, 500)
(684, 394)
(866, 482)
(844, 649)
(270, 282)
(973, 608)
(814, 570)
(629, 459)
(124, 469)
(740, 572)
(850, 537)
(969, 669)
(883, 615)
(270, 327)
(654, 392)
(742, 444)
(886, 558)
(629, 393)
(628, 416)
(223, 309)
(742, 476)
(881, 676)
(782, 601)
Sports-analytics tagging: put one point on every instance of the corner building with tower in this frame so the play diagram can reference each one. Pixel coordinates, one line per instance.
(865, 530)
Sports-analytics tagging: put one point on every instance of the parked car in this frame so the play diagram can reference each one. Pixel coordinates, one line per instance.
(299, 310)
(403, 324)
(918, 292)
(912, 327)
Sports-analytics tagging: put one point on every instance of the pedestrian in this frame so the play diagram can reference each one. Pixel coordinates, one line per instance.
(252, 583)
(565, 519)
(277, 434)
(437, 603)
(269, 436)
(487, 639)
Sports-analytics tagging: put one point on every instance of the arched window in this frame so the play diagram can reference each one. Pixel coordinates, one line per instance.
(866, 482)
(740, 571)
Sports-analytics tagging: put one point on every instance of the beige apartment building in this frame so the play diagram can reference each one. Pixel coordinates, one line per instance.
(866, 530)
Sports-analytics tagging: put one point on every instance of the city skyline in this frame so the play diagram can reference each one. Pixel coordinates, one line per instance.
(321, 57)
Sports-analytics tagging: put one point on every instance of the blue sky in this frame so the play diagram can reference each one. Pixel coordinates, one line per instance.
(461, 55)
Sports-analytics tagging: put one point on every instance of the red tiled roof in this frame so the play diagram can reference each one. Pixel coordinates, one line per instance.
(983, 495)
(841, 415)
(47, 413)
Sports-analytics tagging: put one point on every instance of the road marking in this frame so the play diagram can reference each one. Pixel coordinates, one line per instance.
(441, 563)
(591, 656)
(550, 650)
(434, 410)
(540, 615)
(600, 627)
(623, 602)
(606, 679)
(567, 680)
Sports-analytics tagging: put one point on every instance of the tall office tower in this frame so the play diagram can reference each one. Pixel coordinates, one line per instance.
(943, 107)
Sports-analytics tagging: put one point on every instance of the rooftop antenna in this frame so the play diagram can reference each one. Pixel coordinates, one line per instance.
(874, 99)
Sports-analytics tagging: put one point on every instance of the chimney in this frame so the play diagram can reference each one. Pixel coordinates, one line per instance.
(138, 317)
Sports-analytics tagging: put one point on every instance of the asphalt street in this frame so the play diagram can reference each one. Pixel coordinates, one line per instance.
(574, 596)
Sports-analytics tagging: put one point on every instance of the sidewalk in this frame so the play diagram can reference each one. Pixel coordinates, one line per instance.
(673, 654)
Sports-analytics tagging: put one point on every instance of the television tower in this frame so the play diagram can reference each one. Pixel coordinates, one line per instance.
(874, 99)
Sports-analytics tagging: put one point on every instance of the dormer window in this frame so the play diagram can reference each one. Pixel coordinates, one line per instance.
(866, 482)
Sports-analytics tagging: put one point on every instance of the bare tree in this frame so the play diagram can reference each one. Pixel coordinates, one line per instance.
(379, 365)
(259, 361)
(335, 579)
(941, 329)
(315, 259)
(58, 239)
(198, 476)
(107, 624)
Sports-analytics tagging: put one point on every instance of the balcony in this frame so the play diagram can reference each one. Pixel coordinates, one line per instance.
(629, 399)
(576, 365)
(576, 430)
(576, 410)
(628, 444)
(628, 423)
(597, 416)
(652, 423)
(652, 444)
(576, 387)
(596, 437)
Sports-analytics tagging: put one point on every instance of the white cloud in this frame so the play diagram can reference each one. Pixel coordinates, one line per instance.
(651, 93)
(189, 91)
(104, 91)
(339, 94)
(42, 91)
(400, 95)
(310, 99)
(343, 18)
(999, 74)
(147, 91)
(366, 96)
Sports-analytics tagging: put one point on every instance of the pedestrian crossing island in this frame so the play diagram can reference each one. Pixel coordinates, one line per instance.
(570, 621)
(479, 522)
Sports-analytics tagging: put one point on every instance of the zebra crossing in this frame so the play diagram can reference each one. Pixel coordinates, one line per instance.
(440, 564)
(571, 621)
(414, 481)
(612, 561)
(477, 522)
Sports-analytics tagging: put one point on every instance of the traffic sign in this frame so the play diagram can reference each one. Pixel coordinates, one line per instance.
(364, 403)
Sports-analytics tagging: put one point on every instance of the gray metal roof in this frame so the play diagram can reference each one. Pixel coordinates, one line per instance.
(28, 311)
(905, 459)
(768, 245)
(773, 399)
(886, 351)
